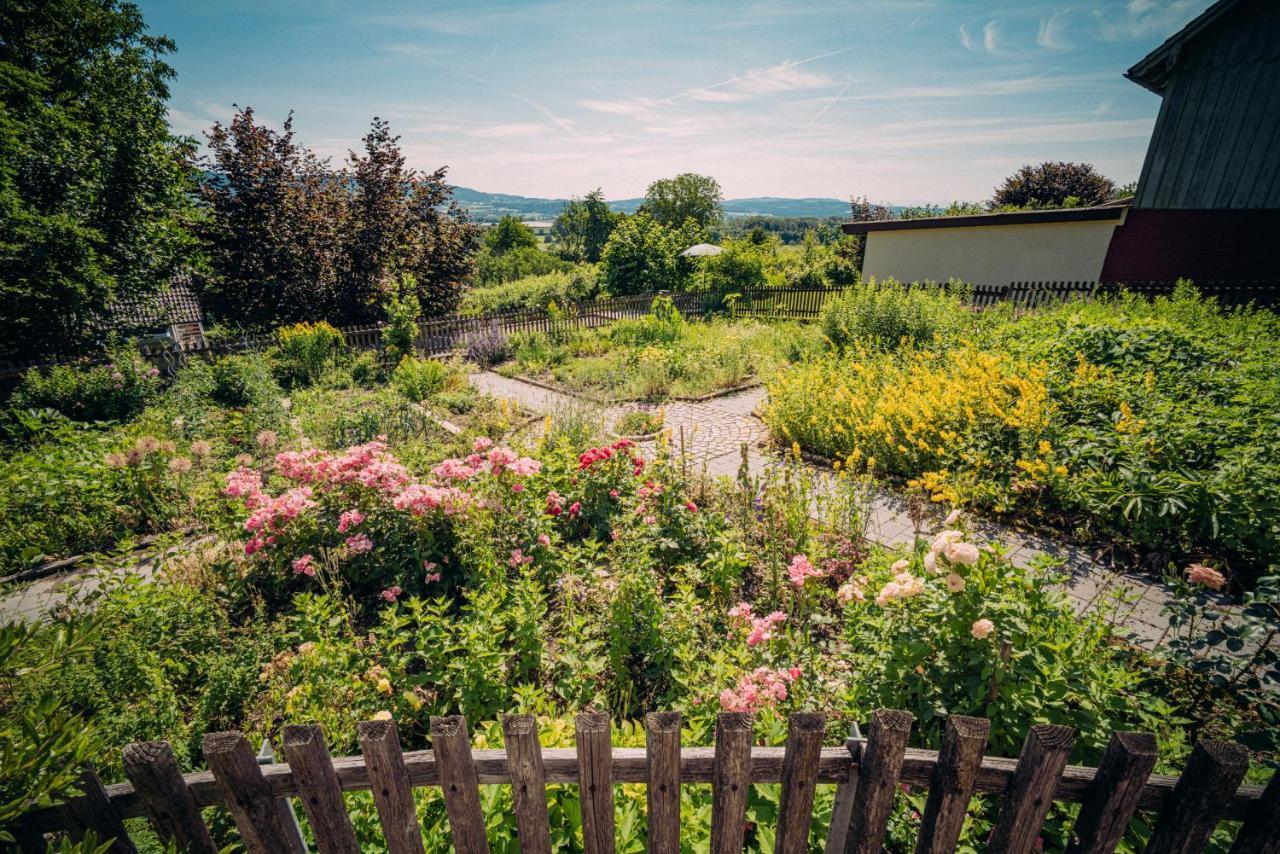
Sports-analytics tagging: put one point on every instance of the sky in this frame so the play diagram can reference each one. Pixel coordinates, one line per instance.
(904, 101)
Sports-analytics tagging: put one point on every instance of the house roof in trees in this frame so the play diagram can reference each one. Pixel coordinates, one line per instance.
(177, 303)
(1112, 210)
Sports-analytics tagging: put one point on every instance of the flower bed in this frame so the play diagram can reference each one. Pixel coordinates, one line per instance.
(1148, 424)
(410, 574)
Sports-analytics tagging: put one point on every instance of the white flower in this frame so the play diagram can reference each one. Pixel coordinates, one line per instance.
(943, 537)
(982, 628)
(899, 566)
(953, 517)
(962, 553)
(955, 583)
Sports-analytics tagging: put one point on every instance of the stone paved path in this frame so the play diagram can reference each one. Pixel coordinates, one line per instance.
(716, 429)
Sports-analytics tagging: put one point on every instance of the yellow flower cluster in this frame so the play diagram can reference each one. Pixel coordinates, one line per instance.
(921, 415)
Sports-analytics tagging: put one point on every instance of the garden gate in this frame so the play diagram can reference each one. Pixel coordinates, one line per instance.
(867, 772)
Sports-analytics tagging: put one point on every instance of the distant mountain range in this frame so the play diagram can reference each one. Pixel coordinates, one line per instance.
(490, 207)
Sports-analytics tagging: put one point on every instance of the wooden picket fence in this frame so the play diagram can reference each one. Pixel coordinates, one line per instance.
(866, 771)
(446, 335)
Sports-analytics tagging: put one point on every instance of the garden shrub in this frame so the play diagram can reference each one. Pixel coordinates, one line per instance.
(887, 314)
(969, 425)
(304, 351)
(488, 347)
(419, 379)
(115, 391)
(401, 331)
(239, 381)
(519, 263)
(533, 292)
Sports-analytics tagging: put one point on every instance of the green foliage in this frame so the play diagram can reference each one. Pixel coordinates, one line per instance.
(115, 391)
(740, 266)
(509, 234)
(402, 326)
(93, 187)
(1054, 184)
(519, 263)
(533, 292)
(44, 742)
(583, 227)
(419, 379)
(304, 351)
(674, 201)
(643, 256)
(887, 314)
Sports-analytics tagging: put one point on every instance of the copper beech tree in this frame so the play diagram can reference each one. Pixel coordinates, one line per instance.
(289, 238)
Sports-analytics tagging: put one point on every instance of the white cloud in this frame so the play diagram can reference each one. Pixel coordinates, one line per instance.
(966, 40)
(1145, 19)
(1052, 33)
(989, 35)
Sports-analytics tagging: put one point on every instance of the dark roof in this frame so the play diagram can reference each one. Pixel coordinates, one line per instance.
(1114, 210)
(175, 304)
(1152, 72)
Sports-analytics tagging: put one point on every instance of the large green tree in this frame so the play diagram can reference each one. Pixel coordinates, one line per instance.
(643, 255)
(1054, 184)
(94, 190)
(583, 227)
(509, 234)
(671, 201)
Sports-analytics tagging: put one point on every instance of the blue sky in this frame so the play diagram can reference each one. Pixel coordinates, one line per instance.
(905, 101)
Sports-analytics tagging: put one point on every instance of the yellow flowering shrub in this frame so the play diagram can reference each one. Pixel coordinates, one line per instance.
(964, 425)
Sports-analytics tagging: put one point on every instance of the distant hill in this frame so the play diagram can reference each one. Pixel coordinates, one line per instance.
(490, 207)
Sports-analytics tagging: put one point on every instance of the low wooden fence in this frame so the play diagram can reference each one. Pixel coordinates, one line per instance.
(808, 303)
(442, 336)
(867, 773)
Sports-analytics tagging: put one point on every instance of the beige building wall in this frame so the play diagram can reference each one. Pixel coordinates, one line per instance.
(991, 254)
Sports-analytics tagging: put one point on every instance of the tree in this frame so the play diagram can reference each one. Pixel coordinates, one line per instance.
(584, 226)
(290, 239)
(509, 233)
(275, 233)
(1054, 184)
(739, 267)
(94, 190)
(380, 230)
(643, 255)
(671, 201)
(445, 242)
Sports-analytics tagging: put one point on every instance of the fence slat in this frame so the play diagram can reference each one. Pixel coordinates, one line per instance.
(595, 781)
(171, 808)
(528, 783)
(248, 796)
(318, 789)
(1113, 798)
(662, 756)
(93, 811)
(1212, 774)
(799, 780)
(963, 741)
(1261, 831)
(731, 777)
(842, 809)
(451, 742)
(392, 791)
(1030, 793)
(880, 765)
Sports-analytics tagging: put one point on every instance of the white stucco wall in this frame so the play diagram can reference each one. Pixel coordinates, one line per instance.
(991, 254)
